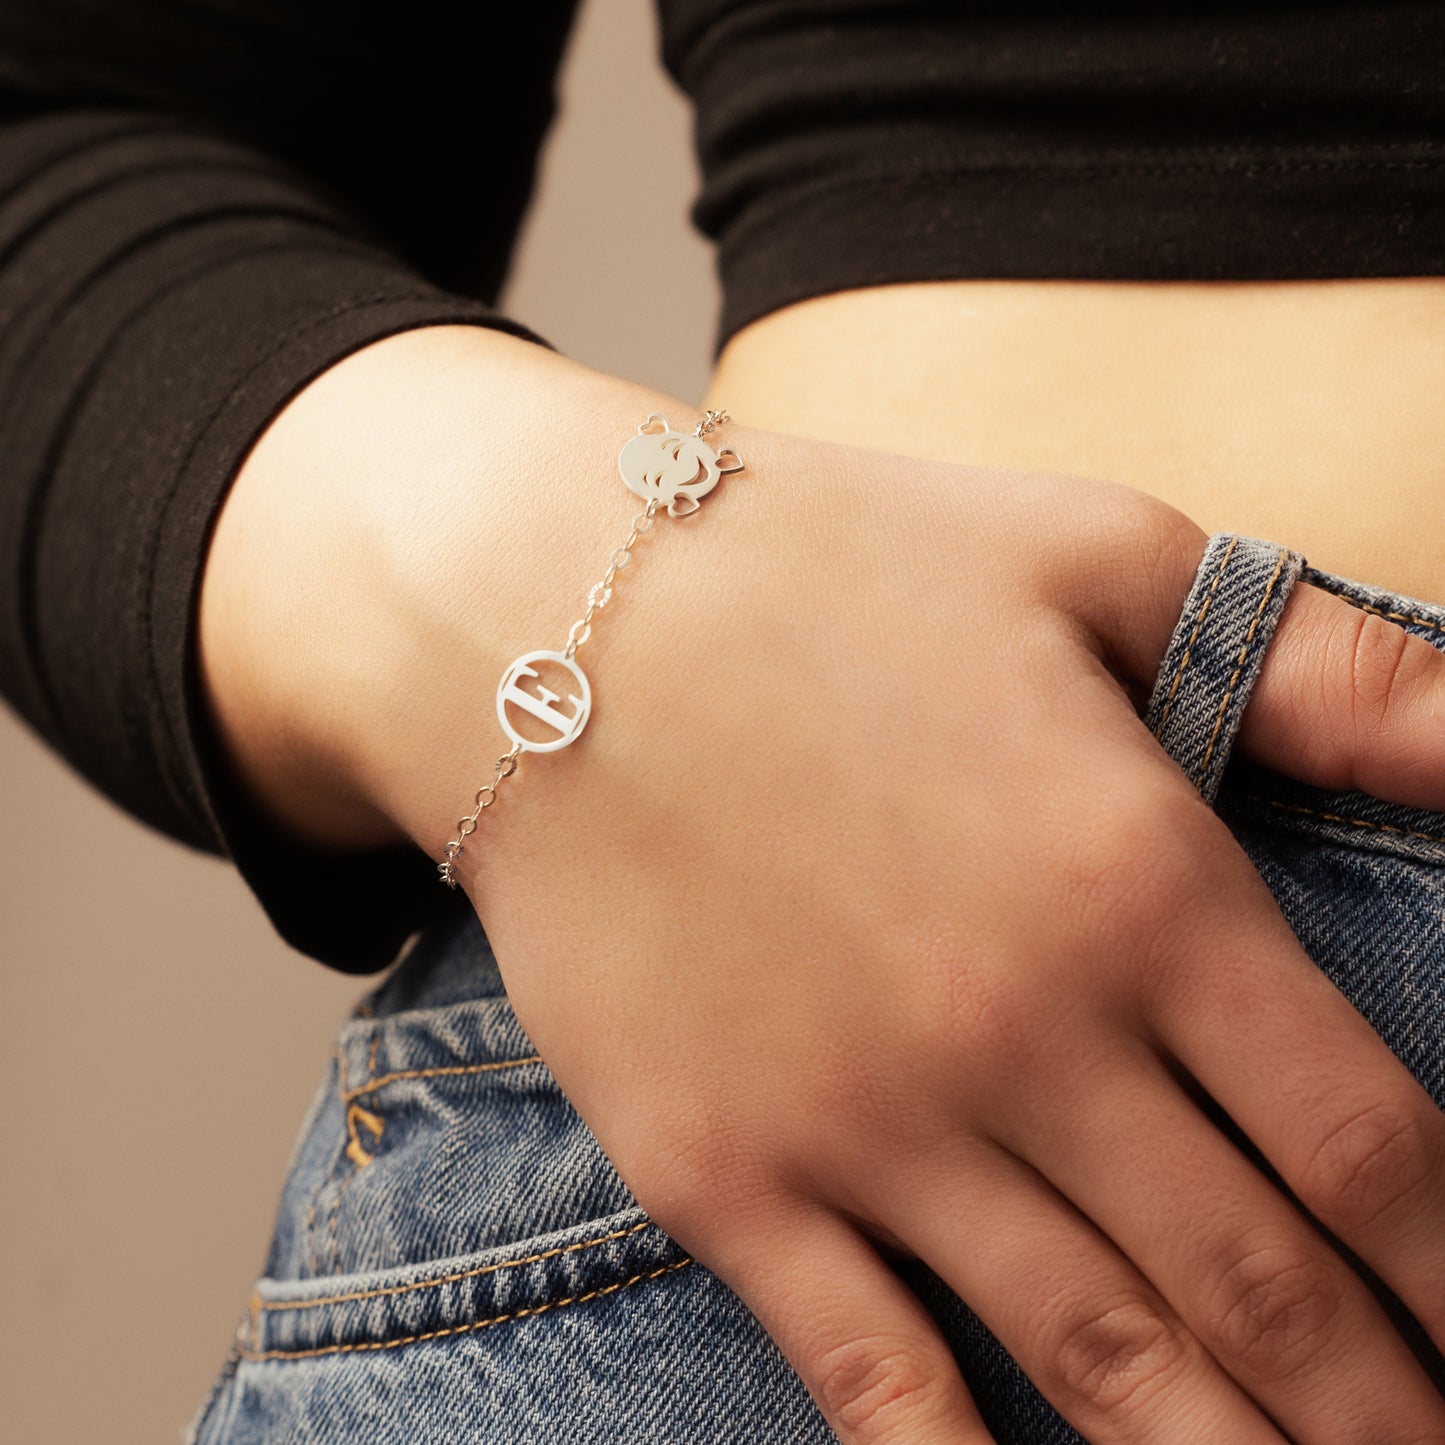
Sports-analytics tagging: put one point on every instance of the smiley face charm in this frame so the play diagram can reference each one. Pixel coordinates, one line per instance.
(674, 467)
(540, 704)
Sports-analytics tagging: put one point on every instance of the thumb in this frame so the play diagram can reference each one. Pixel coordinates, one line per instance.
(1348, 698)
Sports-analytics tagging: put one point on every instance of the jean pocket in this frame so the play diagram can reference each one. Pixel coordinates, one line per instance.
(440, 1134)
(444, 1298)
(443, 1193)
(484, 1274)
(505, 1345)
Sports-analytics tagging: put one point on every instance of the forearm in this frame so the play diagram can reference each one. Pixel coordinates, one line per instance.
(419, 515)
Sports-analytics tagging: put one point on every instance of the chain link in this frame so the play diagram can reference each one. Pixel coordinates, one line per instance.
(597, 598)
(710, 421)
(486, 795)
(601, 592)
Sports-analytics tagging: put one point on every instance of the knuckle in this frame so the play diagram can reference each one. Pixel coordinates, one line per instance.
(676, 1205)
(1152, 533)
(1115, 1359)
(1374, 1163)
(1175, 542)
(874, 1389)
(691, 1179)
(1163, 547)
(981, 1017)
(1166, 872)
(1129, 879)
(968, 1017)
(1273, 1307)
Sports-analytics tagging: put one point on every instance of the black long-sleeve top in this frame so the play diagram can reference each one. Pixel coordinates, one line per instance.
(206, 203)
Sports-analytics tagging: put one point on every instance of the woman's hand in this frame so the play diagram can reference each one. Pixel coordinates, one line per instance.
(866, 912)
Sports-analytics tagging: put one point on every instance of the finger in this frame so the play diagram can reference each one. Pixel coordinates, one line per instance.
(869, 1353)
(1351, 1132)
(1259, 1287)
(1347, 698)
(1088, 1329)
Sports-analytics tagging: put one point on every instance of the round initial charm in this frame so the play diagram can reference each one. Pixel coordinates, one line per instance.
(540, 703)
(673, 467)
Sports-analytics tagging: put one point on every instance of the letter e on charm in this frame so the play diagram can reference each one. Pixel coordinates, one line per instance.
(565, 722)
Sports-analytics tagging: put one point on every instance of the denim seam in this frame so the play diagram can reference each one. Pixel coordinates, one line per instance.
(335, 1211)
(1393, 616)
(334, 1242)
(325, 1183)
(1194, 636)
(452, 1070)
(1239, 663)
(577, 1299)
(1369, 823)
(311, 1304)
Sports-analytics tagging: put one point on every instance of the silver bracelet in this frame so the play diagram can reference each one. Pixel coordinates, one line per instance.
(661, 466)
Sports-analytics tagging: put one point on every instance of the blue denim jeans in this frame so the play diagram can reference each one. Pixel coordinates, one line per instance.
(455, 1259)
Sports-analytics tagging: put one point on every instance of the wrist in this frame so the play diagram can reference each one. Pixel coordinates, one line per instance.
(420, 514)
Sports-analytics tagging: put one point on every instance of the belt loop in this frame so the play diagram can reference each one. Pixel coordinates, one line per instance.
(1216, 651)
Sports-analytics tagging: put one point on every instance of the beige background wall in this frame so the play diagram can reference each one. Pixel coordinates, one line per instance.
(158, 1044)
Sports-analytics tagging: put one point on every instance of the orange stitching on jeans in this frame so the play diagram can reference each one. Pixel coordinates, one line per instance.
(1393, 616)
(356, 1151)
(1239, 664)
(355, 1114)
(556, 1304)
(336, 1299)
(1341, 818)
(1194, 636)
(381, 1083)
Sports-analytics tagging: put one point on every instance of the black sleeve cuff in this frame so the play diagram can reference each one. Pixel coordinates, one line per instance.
(166, 291)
